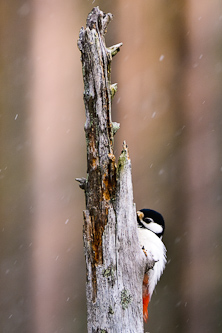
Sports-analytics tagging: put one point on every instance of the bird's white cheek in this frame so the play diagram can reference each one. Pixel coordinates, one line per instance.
(155, 227)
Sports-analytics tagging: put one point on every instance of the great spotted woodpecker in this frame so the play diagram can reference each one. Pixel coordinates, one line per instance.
(150, 230)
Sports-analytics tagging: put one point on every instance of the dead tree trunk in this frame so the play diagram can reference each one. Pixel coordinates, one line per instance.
(115, 262)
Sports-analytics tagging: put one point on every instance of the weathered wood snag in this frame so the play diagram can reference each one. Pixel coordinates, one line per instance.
(115, 262)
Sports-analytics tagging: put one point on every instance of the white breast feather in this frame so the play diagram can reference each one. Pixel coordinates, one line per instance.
(156, 250)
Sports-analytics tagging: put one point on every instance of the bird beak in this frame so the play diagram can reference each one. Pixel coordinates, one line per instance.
(140, 215)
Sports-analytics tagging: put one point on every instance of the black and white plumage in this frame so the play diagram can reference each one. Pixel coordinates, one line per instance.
(151, 228)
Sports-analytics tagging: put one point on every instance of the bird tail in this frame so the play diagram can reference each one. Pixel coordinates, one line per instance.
(146, 296)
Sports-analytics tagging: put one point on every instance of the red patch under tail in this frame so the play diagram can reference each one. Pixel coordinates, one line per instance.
(146, 296)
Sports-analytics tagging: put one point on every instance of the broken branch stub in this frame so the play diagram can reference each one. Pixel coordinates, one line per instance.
(115, 263)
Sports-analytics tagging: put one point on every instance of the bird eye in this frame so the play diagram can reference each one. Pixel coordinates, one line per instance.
(148, 220)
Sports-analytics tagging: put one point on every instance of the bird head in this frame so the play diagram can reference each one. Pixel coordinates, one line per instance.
(151, 220)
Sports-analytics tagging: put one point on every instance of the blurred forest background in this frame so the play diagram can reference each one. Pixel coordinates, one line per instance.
(169, 100)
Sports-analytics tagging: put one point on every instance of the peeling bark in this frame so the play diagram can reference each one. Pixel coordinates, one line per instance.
(115, 263)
